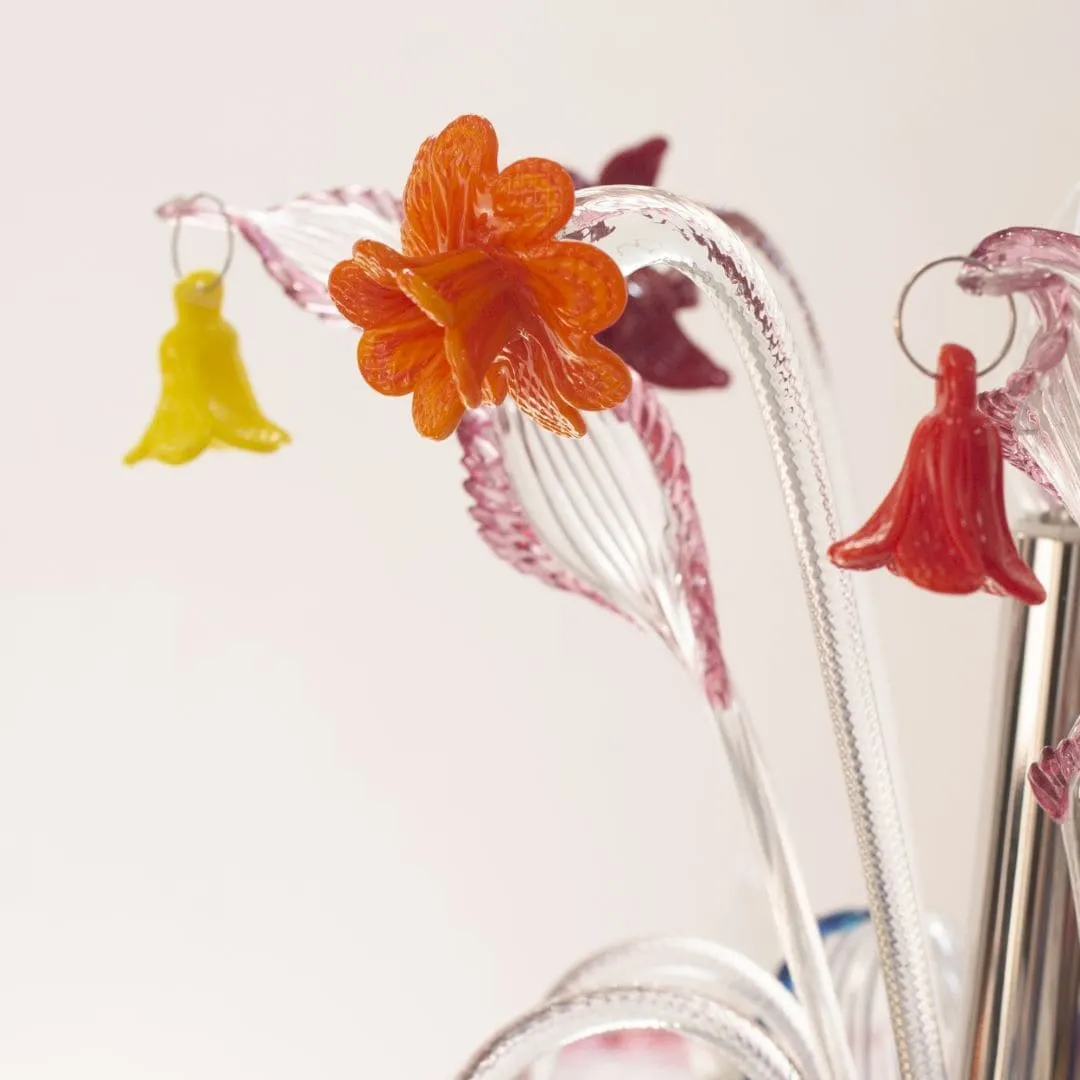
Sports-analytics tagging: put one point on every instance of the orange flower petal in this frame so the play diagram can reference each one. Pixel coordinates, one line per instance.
(391, 358)
(589, 376)
(468, 293)
(378, 261)
(473, 346)
(578, 285)
(528, 370)
(364, 288)
(439, 284)
(436, 406)
(496, 385)
(450, 174)
(531, 201)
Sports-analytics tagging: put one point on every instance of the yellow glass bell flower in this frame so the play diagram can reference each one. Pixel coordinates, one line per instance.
(206, 398)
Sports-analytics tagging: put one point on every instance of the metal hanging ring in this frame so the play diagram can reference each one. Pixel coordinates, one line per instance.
(898, 319)
(230, 244)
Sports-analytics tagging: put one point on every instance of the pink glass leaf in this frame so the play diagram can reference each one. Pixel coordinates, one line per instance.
(300, 241)
(504, 524)
(1052, 777)
(610, 517)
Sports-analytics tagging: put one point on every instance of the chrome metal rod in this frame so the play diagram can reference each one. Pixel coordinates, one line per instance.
(1023, 1008)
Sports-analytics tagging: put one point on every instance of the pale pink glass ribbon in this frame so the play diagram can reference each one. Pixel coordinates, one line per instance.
(1044, 266)
(301, 240)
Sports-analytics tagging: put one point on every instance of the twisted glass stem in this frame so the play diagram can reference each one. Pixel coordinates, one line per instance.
(642, 227)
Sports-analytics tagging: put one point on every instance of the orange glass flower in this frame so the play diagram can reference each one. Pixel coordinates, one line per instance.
(483, 301)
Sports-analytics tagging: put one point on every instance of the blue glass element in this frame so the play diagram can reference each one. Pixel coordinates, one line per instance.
(837, 922)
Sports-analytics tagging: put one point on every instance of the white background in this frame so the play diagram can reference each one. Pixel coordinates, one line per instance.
(295, 779)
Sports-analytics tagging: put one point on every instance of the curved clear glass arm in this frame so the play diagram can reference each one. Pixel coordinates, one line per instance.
(720, 973)
(641, 228)
(540, 1033)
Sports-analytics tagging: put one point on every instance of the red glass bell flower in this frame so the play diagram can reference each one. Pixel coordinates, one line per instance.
(943, 525)
(648, 336)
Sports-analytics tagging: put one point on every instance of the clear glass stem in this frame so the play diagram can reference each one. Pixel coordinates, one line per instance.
(643, 227)
(796, 923)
